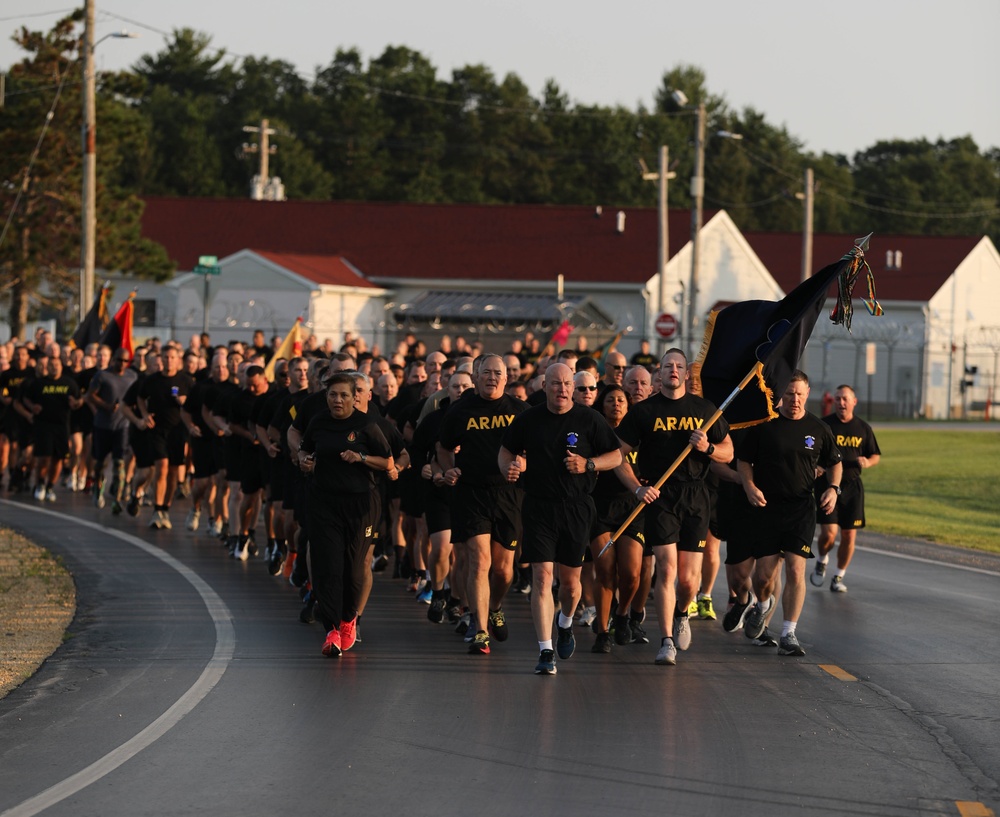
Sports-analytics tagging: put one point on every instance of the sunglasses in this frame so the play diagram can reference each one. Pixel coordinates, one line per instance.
(586, 388)
(617, 368)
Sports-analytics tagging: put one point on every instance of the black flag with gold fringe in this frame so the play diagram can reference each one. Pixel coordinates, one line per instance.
(772, 335)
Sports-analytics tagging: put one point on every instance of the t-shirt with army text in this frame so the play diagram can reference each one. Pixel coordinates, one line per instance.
(478, 426)
(661, 427)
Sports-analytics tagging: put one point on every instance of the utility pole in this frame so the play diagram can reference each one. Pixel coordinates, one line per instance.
(662, 177)
(807, 223)
(88, 198)
(263, 186)
(697, 202)
(807, 237)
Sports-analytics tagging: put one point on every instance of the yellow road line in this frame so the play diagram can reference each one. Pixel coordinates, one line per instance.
(838, 673)
(970, 808)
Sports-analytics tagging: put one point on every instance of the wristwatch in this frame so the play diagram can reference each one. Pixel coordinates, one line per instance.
(710, 450)
(364, 457)
(837, 489)
(591, 467)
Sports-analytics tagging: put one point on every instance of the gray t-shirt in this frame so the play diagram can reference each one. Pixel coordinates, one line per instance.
(111, 388)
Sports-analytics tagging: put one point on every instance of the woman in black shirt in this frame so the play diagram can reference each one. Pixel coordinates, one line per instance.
(343, 447)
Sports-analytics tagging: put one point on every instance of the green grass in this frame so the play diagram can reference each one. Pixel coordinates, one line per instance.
(941, 486)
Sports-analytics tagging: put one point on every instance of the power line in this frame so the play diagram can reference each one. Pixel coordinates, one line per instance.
(36, 14)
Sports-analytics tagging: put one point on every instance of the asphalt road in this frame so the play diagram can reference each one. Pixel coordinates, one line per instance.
(188, 686)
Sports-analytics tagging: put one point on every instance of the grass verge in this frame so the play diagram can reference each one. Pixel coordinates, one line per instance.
(941, 486)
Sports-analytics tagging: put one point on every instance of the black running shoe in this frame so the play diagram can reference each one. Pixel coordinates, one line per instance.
(133, 506)
(498, 625)
(736, 615)
(602, 644)
(435, 613)
(380, 563)
(638, 632)
(276, 561)
(623, 631)
(306, 614)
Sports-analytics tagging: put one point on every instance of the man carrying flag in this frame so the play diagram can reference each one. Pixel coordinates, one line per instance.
(676, 526)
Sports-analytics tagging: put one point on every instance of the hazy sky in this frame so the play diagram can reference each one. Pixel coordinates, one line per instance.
(839, 76)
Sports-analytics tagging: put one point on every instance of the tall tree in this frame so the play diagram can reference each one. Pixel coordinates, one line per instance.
(41, 191)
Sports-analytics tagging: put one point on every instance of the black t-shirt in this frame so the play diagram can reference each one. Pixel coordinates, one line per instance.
(163, 395)
(328, 437)
(53, 396)
(423, 446)
(546, 437)
(239, 413)
(854, 439)
(784, 454)
(640, 359)
(202, 396)
(661, 429)
(11, 382)
(286, 413)
(478, 426)
(313, 406)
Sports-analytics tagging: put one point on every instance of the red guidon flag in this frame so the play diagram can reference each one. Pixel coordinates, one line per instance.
(118, 335)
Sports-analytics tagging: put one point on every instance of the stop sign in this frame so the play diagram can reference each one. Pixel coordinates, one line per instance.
(666, 325)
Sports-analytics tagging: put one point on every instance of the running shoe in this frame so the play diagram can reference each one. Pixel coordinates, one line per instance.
(454, 613)
(546, 663)
(348, 633)
(193, 520)
(307, 614)
(462, 627)
(737, 613)
(242, 551)
(789, 645)
(480, 644)
(498, 625)
(623, 631)
(565, 642)
(638, 633)
(215, 529)
(470, 633)
(331, 647)
(277, 560)
(602, 644)
(756, 620)
(682, 632)
(765, 639)
(426, 594)
(50, 495)
(706, 612)
(667, 656)
(587, 616)
(40, 493)
(380, 563)
(155, 521)
(837, 585)
(133, 505)
(693, 608)
(435, 613)
(99, 501)
(116, 508)
(818, 574)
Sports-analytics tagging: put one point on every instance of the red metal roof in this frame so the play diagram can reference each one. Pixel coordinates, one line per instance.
(320, 269)
(926, 261)
(385, 240)
(390, 240)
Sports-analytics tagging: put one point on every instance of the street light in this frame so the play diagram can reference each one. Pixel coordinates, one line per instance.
(88, 198)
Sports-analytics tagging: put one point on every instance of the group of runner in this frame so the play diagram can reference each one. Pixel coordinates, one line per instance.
(475, 477)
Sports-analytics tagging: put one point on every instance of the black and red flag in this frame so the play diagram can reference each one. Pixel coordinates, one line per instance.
(769, 337)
